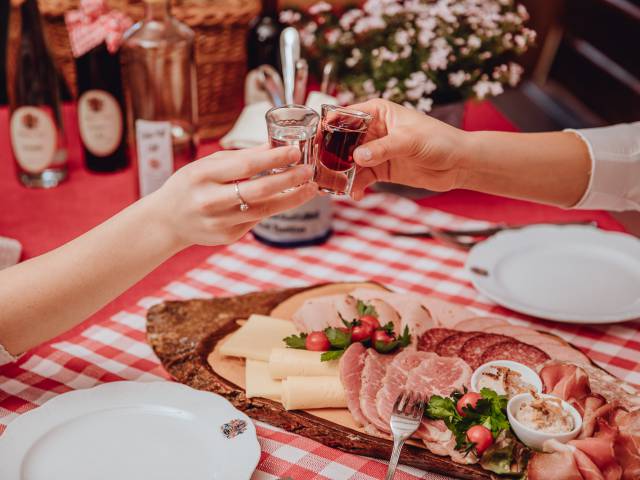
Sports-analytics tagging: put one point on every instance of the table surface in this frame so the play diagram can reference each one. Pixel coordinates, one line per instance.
(42, 220)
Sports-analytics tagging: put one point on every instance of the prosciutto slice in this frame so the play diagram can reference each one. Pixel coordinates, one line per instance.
(627, 444)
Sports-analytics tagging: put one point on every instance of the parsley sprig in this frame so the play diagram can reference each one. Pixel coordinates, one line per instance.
(490, 411)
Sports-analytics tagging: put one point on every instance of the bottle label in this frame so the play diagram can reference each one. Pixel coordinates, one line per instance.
(34, 138)
(155, 154)
(100, 122)
(305, 223)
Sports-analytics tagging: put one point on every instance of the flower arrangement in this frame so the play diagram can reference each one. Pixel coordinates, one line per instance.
(417, 52)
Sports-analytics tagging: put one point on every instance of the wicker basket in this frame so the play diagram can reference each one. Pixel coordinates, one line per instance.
(221, 28)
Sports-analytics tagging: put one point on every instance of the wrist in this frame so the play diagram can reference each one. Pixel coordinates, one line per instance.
(467, 154)
(159, 225)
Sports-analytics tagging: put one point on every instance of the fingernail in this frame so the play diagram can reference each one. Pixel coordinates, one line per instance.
(363, 154)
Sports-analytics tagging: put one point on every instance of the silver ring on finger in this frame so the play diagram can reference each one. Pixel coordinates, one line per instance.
(244, 206)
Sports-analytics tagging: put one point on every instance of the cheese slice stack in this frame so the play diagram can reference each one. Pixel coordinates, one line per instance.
(256, 338)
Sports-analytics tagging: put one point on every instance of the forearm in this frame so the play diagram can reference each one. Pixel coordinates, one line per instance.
(550, 168)
(44, 296)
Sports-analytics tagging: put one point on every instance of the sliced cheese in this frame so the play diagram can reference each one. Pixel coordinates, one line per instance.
(256, 338)
(306, 393)
(258, 382)
(289, 362)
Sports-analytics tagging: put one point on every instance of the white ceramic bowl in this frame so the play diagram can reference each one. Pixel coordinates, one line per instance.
(534, 438)
(527, 374)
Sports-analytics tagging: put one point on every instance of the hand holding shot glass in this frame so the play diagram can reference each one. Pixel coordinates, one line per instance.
(328, 148)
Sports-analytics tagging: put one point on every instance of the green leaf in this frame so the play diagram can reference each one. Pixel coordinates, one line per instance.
(338, 338)
(296, 341)
(440, 408)
(331, 355)
(382, 347)
(405, 338)
(366, 309)
(388, 327)
(506, 456)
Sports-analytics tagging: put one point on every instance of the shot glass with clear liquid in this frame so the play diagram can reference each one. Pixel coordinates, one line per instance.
(341, 131)
(293, 125)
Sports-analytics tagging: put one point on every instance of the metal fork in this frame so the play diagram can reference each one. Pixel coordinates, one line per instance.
(405, 420)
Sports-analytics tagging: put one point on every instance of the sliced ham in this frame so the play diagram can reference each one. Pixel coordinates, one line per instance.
(346, 308)
(560, 352)
(556, 465)
(351, 365)
(480, 323)
(373, 373)
(446, 314)
(409, 306)
(395, 379)
(386, 313)
(514, 331)
(600, 450)
(318, 313)
(569, 382)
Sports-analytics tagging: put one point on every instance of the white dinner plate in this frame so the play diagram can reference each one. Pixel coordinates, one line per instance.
(131, 431)
(575, 274)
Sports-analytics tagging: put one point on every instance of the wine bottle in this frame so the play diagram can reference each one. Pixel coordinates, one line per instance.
(4, 32)
(36, 128)
(263, 37)
(101, 109)
(161, 93)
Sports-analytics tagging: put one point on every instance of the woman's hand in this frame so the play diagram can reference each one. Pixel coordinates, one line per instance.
(199, 204)
(407, 147)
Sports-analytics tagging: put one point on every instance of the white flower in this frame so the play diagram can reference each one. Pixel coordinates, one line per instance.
(429, 87)
(424, 104)
(349, 17)
(474, 41)
(427, 33)
(402, 38)
(440, 50)
(319, 7)
(355, 57)
(406, 51)
(332, 36)
(368, 86)
(307, 34)
(366, 24)
(414, 93)
(520, 41)
(522, 11)
(345, 97)
(392, 82)
(289, 16)
(485, 88)
(457, 78)
(415, 79)
(409, 105)
(515, 73)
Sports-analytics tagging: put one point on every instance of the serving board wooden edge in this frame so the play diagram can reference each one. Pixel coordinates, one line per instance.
(183, 334)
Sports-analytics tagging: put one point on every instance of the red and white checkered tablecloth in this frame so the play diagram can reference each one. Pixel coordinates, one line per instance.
(115, 349)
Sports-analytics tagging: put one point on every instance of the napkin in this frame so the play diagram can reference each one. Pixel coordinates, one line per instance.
(250, 130)
(10, 251)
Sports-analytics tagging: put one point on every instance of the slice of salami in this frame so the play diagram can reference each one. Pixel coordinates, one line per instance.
(515, 351)
(472, 350)
(432, 337)
(451, 345)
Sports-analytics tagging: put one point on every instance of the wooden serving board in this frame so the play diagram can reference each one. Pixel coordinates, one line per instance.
(184, 335)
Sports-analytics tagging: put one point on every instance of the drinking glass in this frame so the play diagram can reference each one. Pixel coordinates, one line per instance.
(294, 125)
(341, 131)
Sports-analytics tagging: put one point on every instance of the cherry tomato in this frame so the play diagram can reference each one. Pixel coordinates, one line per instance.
(382, 336)
(361, 332)
(371, 320)
(469, 399)
(481, 436)
(317, 342)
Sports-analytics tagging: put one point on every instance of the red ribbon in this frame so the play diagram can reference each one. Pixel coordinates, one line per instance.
(92, 24)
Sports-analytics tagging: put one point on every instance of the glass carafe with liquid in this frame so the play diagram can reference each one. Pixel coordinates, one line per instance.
(161, 91)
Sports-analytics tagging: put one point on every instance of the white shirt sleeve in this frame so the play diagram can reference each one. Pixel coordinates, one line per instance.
(6, 357)
(614, 183)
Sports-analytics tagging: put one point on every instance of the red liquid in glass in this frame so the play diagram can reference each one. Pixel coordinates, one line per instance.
(336, 146)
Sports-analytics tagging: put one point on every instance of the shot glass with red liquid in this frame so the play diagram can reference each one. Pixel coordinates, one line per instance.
(341, 131)
(294, 125)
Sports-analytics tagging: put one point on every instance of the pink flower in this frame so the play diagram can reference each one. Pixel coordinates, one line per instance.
(320, 7)
(289, 16)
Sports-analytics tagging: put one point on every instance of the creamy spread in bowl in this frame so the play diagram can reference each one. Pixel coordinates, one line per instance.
(544, 414)
(506, 378)
(536, 418)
